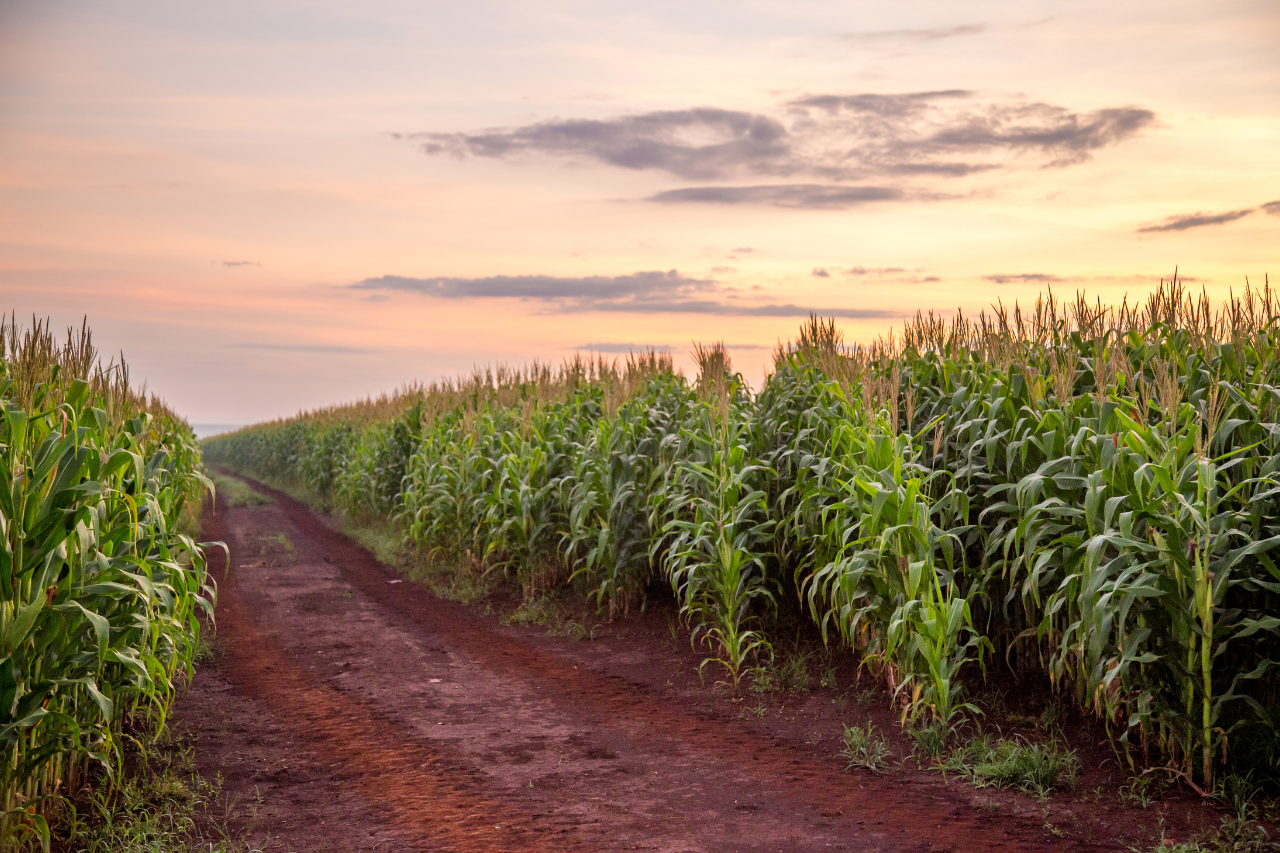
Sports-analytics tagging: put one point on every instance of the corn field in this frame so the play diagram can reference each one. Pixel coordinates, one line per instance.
(1083, 494)
(100, 585)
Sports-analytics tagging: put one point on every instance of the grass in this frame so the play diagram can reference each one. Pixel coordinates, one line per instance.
(1243, 831)
(1036, 768)
(279, 540)
(377, 536)
(1233, 835)
(554, 615)
(540, 611)
(464, 582)
(1142, 791)
(454, 586)
(864, 749)
(164, 806)
(931, 741)
(239, 493)
(574, 630)
(786, 672)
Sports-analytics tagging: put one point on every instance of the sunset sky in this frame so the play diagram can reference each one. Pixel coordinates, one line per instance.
(278, 205)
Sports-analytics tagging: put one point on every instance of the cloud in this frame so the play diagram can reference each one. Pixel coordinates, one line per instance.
(313, 348)
(791, 310)
(812, 196)
(623, 349)
(649, 292)
(835, 139)
(917, 35)
(241, 264)
(697, 143)
(820, 273)
(1024, 278)
(644, 286)
(1272, 207)
(876, 271)
(947, 133)
(1197, 220)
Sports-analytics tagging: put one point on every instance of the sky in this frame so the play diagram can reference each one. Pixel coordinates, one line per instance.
(277, 205)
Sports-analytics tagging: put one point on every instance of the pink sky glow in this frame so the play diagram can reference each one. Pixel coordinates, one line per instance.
(280, 205)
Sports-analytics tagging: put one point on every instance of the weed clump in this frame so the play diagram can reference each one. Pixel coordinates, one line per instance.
(1035, 768)
(864, 749)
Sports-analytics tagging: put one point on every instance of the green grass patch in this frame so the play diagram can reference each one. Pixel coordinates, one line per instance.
(1036, 768)
(162, 806)
(931, 741)
(539, 611)
(864, 749)
(787, 672)
(554, 615)
(379, 538)
(1233, 835)
(238, 492)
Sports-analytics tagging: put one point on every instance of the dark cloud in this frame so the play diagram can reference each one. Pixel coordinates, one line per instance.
(782, 195)
(746, 250)
(917, 35)
(241, 264)
(1196, 220)
(650, 292)
(837, 139)
(313, 348)
(1024, 278)
(947, 133)
(698, 143)
(820, 273)
(1066, 137)
(1272, 207)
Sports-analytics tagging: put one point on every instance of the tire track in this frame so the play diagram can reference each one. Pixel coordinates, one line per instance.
(433, 804)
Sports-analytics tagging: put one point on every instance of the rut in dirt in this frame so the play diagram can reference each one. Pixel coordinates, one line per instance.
(451, 732)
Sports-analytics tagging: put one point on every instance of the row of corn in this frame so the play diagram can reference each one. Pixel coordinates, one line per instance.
(1086, 495)
(100, 587)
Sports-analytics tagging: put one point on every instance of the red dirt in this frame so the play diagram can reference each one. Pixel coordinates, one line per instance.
(350, 711)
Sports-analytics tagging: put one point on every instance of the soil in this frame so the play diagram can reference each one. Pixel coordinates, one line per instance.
(349, 710)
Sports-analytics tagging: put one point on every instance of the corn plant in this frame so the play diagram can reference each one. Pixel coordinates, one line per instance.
(716, 536)
(1088, 492)
(616, 472)
(99, 588)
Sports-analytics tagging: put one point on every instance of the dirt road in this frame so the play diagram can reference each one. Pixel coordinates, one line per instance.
(350, 711)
